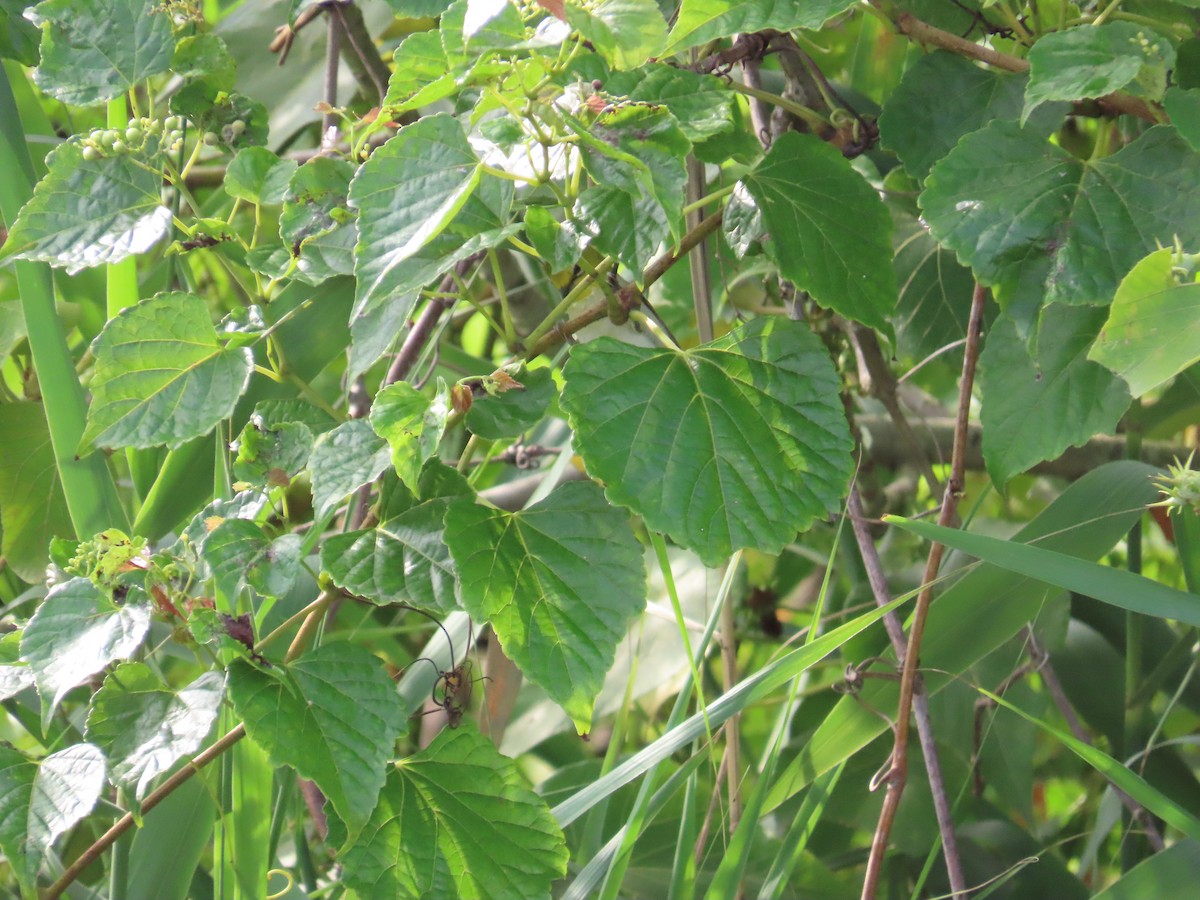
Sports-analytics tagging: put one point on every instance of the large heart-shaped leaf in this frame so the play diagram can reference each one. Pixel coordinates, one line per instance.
(1036, 407)
(240, 552)
(738, 443)
(94, 50)
(829, 232)
(86, 212)
(41, 800)
(1041, 225)
(625, 32)
(162, 376)
(560, 582)
(1151, 332)
(456, 820)
(406, 194)
(75, 633)
(144, 727)
(701, 104)
(935, 291)
(333, 716)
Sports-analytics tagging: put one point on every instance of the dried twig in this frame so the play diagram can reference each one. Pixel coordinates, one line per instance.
(898, 772)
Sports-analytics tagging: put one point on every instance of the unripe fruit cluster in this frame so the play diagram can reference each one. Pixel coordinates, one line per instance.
(103, 143)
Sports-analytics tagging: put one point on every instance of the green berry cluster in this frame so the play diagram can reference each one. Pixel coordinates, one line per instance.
(103, 143)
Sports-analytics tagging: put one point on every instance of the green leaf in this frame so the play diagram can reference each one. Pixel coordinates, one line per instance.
(1183, 106)
(41, 800)
(332, 715)
(15, 676)
(702, 105)
(270, 452)
(559, 247)
(412, 424)
(625, 32)
(75, 633)
(512, 413)
(316, 220)
(830, 234)
(406, 194)
(405, 557)
(738, 443)
(32, 506)
(1035, 408)
(942, 97)
(1118, 587)
(560, 582)
(240, 552)
(1094, 61)
(257, 175)
(162, 375)
(343, 460)
(214, 110)
(19, 38)
(456, 820)
(205, 56)
(1152, 326)
(95, 50)
(144, 727)
(1027, 216)
(701, 21)
(935, 291)
(1158, 875)
(88, 212)
(422, 73)
(628, 227)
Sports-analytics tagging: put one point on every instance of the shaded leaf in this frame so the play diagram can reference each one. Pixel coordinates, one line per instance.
(560, 582)
(828, 231)
(144, 727)
(738, 443)
(316, 219)
(513, 412)
(343, 460)
(935, 291)
(15, 676)
(270, 449)
(333, 716)
(95, 50)
(1035, 408)
(1151, 332)
(162, 375)
(456, 819)
(1158, 875)
(1091, 62)
(205, 56)
(1183, 106)
(405, 557)
(1043, 226)
(86, 212)
(942, 97)
(701, 21)
(32, 506)
(75, 633)
(19, 38)
(41, 800)
(412, 424)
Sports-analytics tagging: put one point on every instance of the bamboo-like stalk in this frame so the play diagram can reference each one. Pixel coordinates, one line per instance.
(88, 485)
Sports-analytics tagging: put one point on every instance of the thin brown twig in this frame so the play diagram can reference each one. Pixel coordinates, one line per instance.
(933, 767)
(898, 772)
(410, 350)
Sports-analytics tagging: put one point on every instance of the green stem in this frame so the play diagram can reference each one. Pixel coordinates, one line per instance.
(813, 118)
(573, 296)
(88, 486)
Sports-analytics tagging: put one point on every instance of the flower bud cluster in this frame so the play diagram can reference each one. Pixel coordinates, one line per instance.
(103, 143)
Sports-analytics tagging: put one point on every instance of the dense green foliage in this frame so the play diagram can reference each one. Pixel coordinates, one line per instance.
(452, 465)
